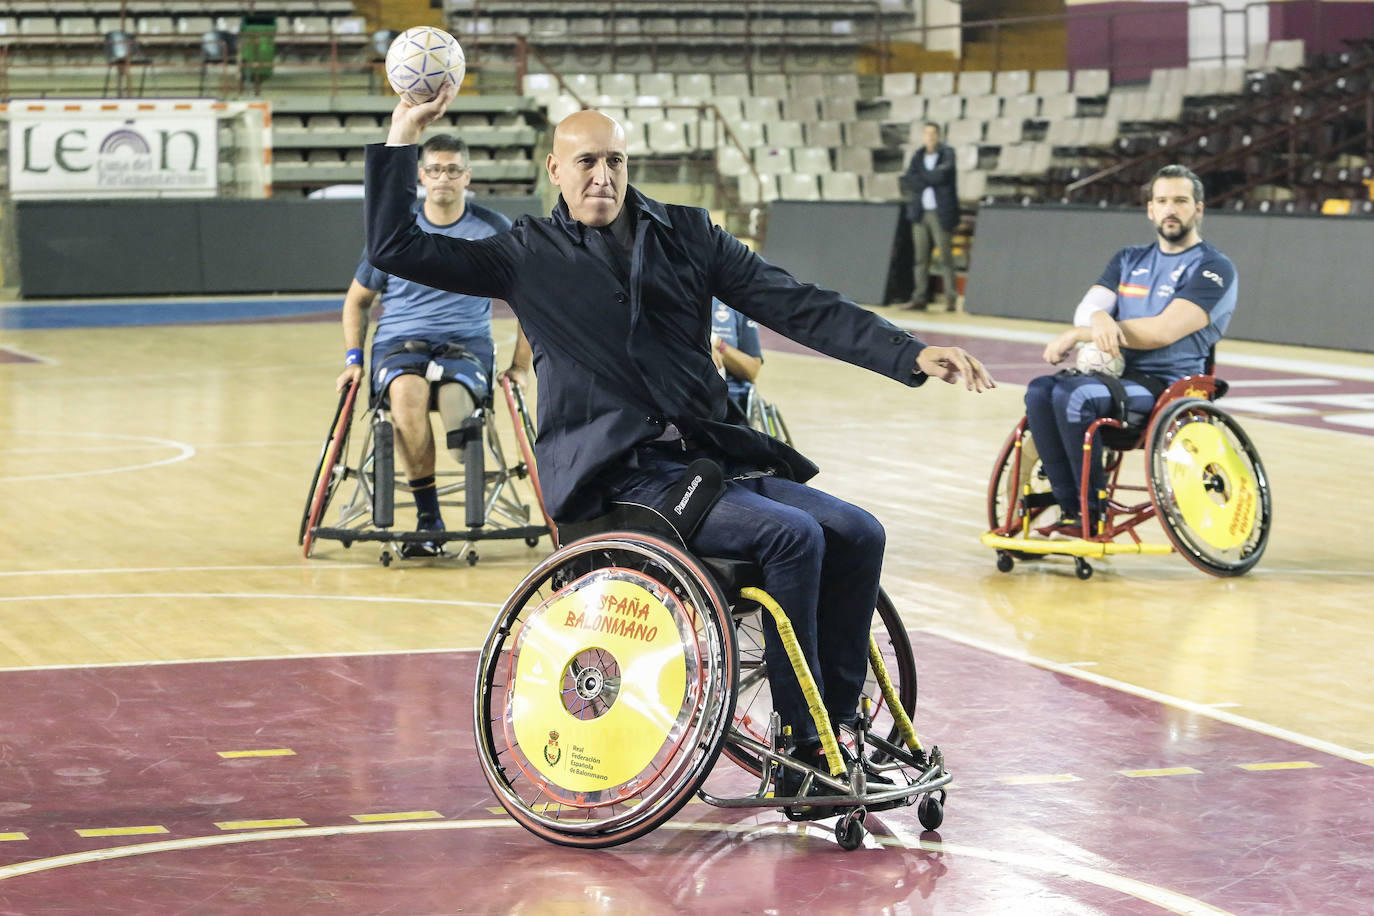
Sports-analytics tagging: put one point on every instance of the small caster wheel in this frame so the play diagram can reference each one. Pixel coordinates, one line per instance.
(472, 558)
(1004, 561)
(347, 543)
(930, 812)
(849, 830)
(531, 542)
(1082, 568)
(386, 558)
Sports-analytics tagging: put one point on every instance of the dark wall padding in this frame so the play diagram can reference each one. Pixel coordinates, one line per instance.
(1305, 280)
(190, 247)
(847, 247)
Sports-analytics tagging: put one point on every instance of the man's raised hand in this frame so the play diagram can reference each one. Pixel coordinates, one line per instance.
(409, 121)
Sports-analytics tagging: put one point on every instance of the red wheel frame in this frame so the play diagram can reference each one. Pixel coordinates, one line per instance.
(325, 480)
(524, 437)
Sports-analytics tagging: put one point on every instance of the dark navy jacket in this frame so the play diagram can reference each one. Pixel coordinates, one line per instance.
(622, 346)
(917, 178)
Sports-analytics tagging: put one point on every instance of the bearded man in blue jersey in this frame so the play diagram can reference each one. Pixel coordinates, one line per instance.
(432, 348)
(1162, 306)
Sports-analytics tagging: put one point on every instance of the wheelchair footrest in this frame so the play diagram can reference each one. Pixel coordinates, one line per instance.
(1070, 547)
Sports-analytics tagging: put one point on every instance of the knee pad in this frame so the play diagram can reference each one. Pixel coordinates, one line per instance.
(462, 419)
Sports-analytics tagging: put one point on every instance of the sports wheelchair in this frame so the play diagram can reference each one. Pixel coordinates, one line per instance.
(492, 507)
(1203, 479)
(621, 668)
(764, 416)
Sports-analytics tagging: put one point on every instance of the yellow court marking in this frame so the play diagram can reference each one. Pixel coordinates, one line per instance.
(1285, 765)
(266, 752)
(1038, 780)
(396, 816)
(544, 807)
(258, 825)
(10, 837)
(1167, 771)
(122, 831)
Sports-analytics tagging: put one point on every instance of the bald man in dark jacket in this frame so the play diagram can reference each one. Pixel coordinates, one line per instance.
(614, 294)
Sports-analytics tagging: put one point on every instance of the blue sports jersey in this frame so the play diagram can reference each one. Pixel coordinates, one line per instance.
(739, 332)
(411, 311)
(1146, 280)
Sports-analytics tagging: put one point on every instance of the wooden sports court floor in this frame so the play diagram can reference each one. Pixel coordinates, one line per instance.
(198, 720)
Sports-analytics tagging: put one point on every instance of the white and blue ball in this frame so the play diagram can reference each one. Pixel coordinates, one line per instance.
(421, 61)
(1091, 359)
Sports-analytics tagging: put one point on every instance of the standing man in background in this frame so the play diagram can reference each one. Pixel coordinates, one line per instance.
(432, 348)
(933, 208)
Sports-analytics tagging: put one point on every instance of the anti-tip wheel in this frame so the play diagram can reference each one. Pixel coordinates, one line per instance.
(849, 829)
(930, 812)
(1004, 561)
(386, 558)
(531, 542)
(472, 558)
(1082, 568)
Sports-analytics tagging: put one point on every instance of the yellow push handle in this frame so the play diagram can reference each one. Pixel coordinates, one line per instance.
(803, 672)
(904, 726)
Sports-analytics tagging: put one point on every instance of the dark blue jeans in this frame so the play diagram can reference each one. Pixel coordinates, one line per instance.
(1059, 410)
(821, 558)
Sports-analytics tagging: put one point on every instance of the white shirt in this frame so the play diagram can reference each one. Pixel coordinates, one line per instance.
(928, 195)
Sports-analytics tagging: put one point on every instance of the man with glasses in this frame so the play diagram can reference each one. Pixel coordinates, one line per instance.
(432, 348)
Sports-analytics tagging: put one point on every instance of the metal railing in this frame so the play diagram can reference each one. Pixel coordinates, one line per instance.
(751, 40)
(1300, 109)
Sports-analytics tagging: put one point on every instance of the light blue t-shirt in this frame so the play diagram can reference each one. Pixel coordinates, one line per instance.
(411, 311)
(1146, 280)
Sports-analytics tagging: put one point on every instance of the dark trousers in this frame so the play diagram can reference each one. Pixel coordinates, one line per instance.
(1059, 410)
(821, 559)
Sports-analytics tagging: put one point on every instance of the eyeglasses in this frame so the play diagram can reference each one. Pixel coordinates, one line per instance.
(452, 170)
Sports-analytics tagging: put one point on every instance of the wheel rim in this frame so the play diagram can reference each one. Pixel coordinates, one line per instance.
(592, 731)
(1209, 488)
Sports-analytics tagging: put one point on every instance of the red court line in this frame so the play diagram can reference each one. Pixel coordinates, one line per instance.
(139, 745)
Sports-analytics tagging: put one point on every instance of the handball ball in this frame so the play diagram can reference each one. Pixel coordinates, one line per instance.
(1091, 359)
(421, 60)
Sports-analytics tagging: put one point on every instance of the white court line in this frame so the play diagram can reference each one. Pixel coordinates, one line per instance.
(1203, 709)
(292, 656)
(294, 567)
(1304, 367)
(1284, 383)
(1284, 571)
(19, 351)
(1162, 897)
(65, 450)
(185, 451)
(139, 570)
(365, 599)
(1363, 420)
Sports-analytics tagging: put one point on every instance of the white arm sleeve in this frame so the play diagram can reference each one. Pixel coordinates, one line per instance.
(1097, 299)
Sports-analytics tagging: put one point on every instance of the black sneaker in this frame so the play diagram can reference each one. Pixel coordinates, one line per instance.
(787, 782)
(1068, 526)
(420, 550)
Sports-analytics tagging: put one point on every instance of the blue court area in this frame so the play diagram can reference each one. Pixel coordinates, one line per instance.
(116, 313)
